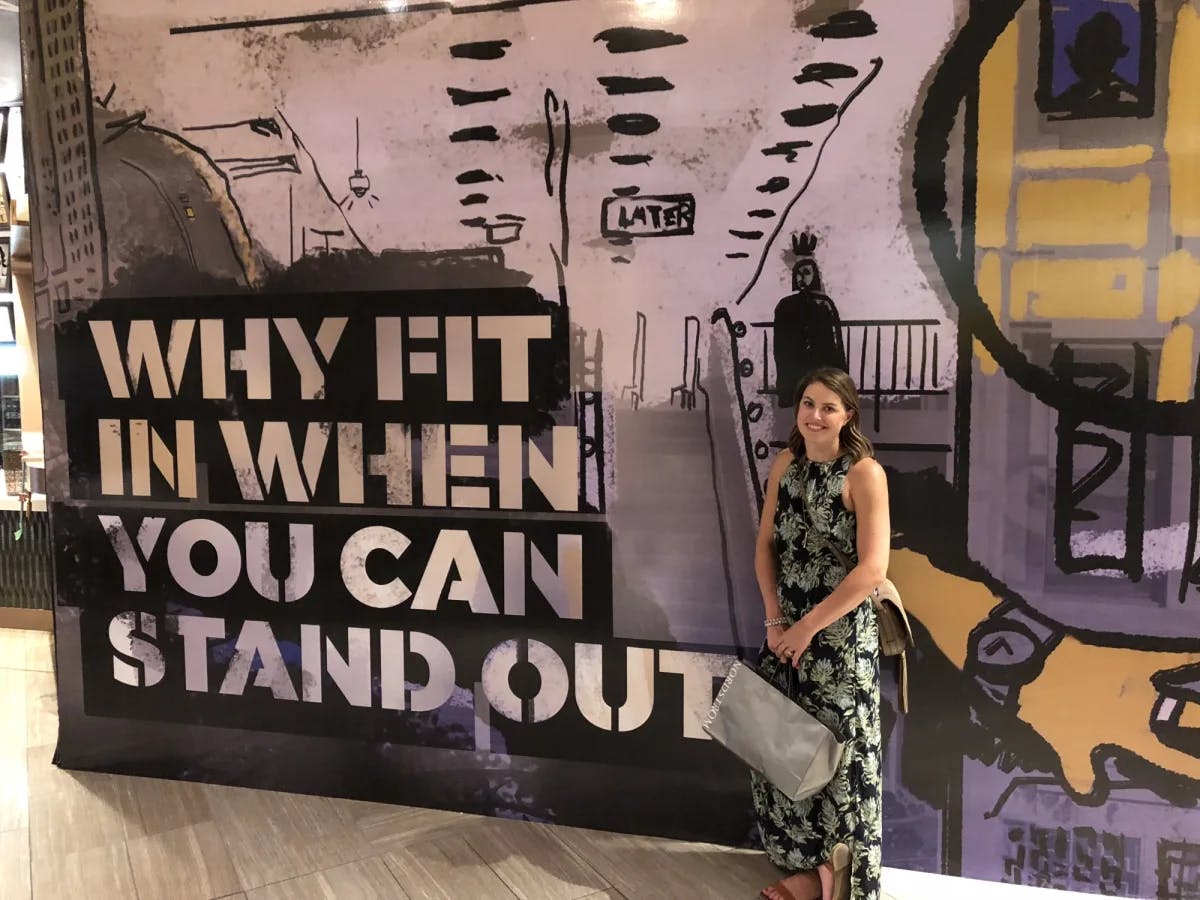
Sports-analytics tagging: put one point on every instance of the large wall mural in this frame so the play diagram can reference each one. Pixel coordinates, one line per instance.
(412, 374)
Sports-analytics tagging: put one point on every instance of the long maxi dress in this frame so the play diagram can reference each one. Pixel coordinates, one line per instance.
(838, 684)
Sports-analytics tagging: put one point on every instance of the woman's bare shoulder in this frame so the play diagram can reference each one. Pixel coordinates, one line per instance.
(868, 473)
(782, 460)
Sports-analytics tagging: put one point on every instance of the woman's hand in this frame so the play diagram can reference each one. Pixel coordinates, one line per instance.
(775, 634)
(794, 643)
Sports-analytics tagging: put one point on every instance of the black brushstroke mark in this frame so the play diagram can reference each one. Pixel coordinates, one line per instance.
(249, 167)
(737, 255)
(761, 213)
(549, 107)
(562, 184)
(480, 50)
(630, 191)
(632, 159)
(636, 124)
(1071, 492)
(475, 176)
(347, 15)
(122, 126)
(631, 40)
(107, 97)
(947, 90)
(474, 199)
(477, 222)
(509, 217)
(787, 149)
(264, 126)
(620, 241)
(1190, 576)
(746, 235)
(876, 66)
(462, 97)
(814, 114)
(619, 84)
(563, 298)
(825, 72)
(852, 24)
(620, 259)
(774, 185)
(479, 133)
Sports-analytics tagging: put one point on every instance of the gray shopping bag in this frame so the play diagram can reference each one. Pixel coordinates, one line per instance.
(770, 732)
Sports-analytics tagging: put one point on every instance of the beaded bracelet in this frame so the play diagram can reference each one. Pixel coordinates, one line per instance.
(778, 620)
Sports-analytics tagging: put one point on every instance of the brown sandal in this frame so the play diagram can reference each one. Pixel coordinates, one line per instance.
(839, 861)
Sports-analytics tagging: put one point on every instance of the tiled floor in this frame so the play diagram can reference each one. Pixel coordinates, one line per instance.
(83, 835)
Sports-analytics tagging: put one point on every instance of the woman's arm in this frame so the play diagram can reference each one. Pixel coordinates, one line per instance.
(868, 493)
(764, 549)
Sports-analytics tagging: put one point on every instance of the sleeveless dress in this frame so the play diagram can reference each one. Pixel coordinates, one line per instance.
(839, 685)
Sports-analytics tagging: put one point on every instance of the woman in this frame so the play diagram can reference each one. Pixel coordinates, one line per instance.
(820, 624)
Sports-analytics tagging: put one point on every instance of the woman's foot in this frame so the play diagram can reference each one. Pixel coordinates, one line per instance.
(801, 886)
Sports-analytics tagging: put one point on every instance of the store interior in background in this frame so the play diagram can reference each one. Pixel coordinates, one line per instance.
(25, 562)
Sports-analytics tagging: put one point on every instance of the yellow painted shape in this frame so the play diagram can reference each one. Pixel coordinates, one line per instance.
(1078, 288)
(1189, 717)
(1088, 696)
(949, 606)
(1083, 212)
(1182, 138)
(1086, 158)
(991, 290)
(1177, 367)
(997, 129)
(1178, 285)
(1085, 697)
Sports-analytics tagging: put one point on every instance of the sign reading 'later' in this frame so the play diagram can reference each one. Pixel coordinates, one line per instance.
(664, 216)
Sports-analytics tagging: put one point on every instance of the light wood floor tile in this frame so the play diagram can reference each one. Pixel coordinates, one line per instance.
(90, 810)
(14, 790)
(395, 827)
(610, 894)
(189, 863)
(45, 777)
(367, 879)
(166, 805)
(12, 648)
(275, 836)
(13, 689)
(41, 709)
(100, 872)
(39, 651)
(532, 862)
(670, 870)
(14, 865)
(446, 869)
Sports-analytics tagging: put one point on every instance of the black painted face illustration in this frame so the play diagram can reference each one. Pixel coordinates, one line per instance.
(804, 275)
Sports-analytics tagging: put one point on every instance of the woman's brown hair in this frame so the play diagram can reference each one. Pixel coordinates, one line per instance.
(853, 442)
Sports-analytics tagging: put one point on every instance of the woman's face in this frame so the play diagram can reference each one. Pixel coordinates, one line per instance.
(821, 415)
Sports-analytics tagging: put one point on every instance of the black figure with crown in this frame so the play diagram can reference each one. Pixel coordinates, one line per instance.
(808, 331)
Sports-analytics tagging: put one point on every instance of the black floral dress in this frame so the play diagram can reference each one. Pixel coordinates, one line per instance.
(839, 685)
